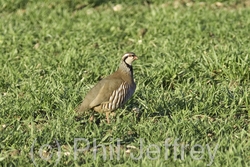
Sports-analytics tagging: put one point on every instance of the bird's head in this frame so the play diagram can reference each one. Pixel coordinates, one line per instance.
(129, 57)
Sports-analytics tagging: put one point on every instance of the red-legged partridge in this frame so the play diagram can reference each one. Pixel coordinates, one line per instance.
(113, 91)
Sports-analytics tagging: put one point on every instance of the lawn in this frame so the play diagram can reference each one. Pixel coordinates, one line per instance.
(192, 103)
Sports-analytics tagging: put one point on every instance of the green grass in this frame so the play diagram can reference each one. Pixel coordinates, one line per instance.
(192, 81)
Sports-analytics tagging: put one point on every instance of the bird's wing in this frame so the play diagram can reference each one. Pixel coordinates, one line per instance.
(102, 91)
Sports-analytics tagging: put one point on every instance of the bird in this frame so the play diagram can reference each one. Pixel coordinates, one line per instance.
(112, 91)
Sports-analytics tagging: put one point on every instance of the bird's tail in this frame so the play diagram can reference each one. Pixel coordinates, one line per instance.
(81, 108)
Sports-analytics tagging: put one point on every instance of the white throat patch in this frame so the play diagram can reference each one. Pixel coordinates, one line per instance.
(129, 60)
